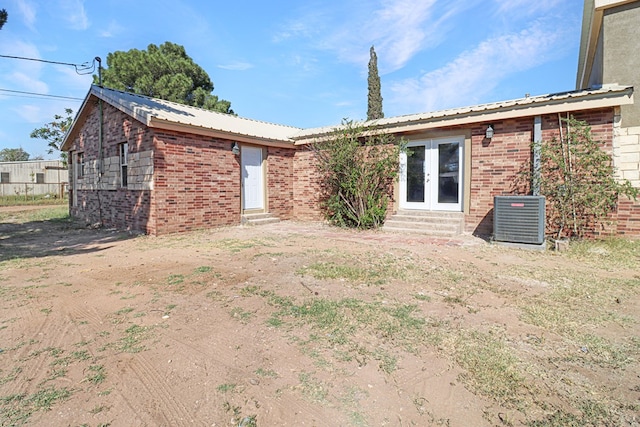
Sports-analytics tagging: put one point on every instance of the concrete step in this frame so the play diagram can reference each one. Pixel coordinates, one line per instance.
(429, 214)
(426, 222)
(259, 219)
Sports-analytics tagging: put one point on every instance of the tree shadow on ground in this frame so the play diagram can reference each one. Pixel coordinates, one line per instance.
(38, 239)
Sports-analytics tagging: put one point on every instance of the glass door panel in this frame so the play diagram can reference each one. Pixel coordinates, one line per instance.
(415, 174)
(448, 172)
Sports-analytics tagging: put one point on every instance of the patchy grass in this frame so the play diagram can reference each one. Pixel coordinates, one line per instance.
(96, 374)
(175, 279)
(10, 376)
(16, 409)
(368, 268)
(609, 254)
(134, 336)
(33, 200)
(338, 327)
(227, 388)
(313, 389)
(241, 314)
(267, 373)
(577, 308)
(237, 245)
(56, 214)
(492, 368)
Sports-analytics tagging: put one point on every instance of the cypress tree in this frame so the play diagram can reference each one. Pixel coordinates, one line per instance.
(374, 107)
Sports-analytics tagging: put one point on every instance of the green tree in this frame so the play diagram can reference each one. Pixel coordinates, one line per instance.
(13, 155)
(54, 132)
(357, 168)
(374, 98)
(578, 180)
(3, 17)
(164, 72)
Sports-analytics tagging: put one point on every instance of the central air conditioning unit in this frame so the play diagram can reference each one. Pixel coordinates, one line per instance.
(519, 219)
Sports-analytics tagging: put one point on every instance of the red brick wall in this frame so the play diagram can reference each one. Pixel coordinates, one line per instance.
(197, 182)
(306, 186)
(495, 164)
(280, 181)
(626, 219)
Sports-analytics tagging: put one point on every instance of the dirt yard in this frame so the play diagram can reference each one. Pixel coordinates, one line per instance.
(296, 324)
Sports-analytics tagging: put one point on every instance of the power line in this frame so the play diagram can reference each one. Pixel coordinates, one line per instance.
(40, 95)
(83, 68)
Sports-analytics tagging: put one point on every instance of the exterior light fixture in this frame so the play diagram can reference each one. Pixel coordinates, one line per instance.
(235, 149)
(489, 132)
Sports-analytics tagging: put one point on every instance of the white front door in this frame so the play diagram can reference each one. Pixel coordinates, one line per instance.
(252, 185)
(431, 175)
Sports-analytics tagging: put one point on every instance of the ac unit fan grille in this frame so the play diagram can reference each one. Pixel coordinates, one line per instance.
(519, 219)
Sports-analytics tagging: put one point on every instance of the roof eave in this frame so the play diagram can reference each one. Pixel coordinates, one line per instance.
(553, 106)
(158, 123)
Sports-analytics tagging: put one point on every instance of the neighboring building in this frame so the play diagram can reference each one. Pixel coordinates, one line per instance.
(162, 167)
(33, 177)
(609, 55)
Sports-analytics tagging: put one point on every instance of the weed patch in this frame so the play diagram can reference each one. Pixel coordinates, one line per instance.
(16, 409)
(491, 367)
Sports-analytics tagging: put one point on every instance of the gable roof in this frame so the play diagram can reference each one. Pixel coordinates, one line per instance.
(606, 96)
(161, 114)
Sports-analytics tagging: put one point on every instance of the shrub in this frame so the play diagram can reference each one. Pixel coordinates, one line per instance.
(357, 166)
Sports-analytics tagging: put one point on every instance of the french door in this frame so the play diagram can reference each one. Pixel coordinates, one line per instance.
(431, 175)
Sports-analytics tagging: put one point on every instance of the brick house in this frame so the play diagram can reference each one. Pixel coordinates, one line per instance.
(158, 167)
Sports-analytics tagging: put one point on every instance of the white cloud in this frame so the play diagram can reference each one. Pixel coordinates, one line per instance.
(293, 29)
(74, 13)
(112, 30)
(30, 113)
(28, 12)
(21, 74)
(525, 7)
(72, 82)
(236, 66)
(398, 29)
(28, 82)
(475, 73)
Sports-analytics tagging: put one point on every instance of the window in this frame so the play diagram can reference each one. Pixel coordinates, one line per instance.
(4, 177)
(80, 165)
(124, 150)
(39, 178)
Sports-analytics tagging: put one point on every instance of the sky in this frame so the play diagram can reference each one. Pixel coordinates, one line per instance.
(291, 62)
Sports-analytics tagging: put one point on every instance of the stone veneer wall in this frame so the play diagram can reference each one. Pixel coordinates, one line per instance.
(99, 194)
(626, 159)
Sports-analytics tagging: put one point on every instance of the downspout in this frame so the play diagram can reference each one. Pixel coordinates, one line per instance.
(537, 153)
(100, 132)
(100, 140)
(573, 199)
